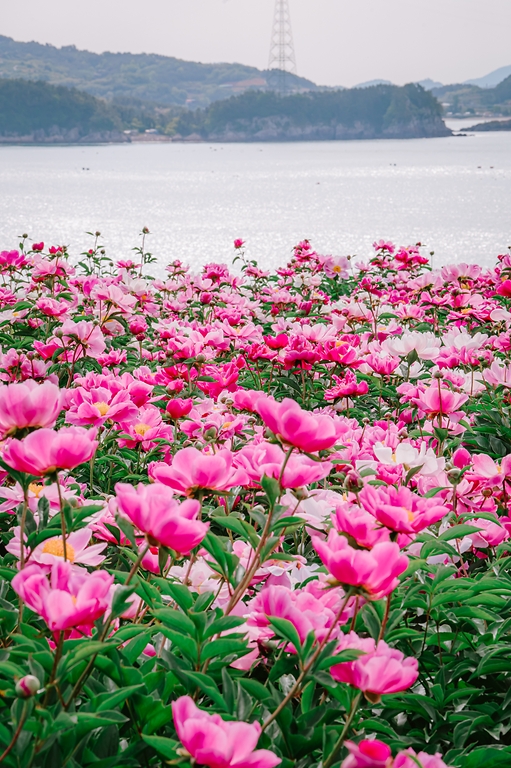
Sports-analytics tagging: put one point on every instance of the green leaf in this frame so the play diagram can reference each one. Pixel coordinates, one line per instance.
(165, 747)
(176, 620)
(287, 630)
(128, 530)
(271, 487)
(111, 700)
(458, 532)
(180, 594)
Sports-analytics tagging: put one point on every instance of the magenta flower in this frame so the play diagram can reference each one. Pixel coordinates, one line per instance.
(192, 470)
(179, 407)
(375, 571)
(45, 451)
(154, 510)
(70, 597)
(360, 525)
(401, 510)
(217, 743)
(28, 404)
(369, 753)
(378, 671)
(296, 427)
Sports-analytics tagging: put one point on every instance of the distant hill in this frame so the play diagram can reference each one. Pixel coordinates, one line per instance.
(382, 111)
(370, 83)
(493, 125)
(469, 99)
(42, 112)
(146, 77)
(492, 79)
(429, 84)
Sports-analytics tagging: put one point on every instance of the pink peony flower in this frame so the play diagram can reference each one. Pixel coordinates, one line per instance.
(401, 510)
(304, 610)
(369, 753)
(70, 597)
(217, 743)
(294, 426)
(179, 407)
(439, 400)
(377, 672)
(487, 471)
(97, 406)
(153, 509)
(403, 760)
(192, 470)
(268, 459)
(51, 550)
(45, 451)
(375, 571)
(28, 404)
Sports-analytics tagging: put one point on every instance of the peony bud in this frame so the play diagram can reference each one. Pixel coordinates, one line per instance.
(27, 686)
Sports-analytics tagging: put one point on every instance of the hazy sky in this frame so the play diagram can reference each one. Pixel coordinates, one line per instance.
(337, 42)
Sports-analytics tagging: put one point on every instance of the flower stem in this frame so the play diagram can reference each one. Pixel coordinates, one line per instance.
(340, 741)
(296, 687)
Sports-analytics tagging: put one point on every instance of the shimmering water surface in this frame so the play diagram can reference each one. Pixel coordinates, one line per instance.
(454, 194)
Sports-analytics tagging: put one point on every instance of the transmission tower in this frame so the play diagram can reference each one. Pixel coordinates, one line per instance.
(282, 51)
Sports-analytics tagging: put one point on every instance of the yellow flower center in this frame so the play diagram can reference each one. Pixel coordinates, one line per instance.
(337, 268)
(103, 408)
(36, 489)
(411, 516)
(141, 429)
(56, 547)
(227, 425)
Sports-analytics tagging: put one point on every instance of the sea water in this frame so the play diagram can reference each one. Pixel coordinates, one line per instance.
(452, 194)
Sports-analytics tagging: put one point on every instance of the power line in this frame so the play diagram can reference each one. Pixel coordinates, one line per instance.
(282, 51)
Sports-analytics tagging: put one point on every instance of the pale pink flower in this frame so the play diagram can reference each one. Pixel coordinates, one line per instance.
(403, 760)
(218, 743)
(498, 375)
(51, 550)
(85, 337)
(486, 470)
(436, 400)
(268, 459)
(426, 345)
(304, 610)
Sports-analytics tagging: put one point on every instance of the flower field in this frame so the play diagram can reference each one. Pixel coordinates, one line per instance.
(251, 519)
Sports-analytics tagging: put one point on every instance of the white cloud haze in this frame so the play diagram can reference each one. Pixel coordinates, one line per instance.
(338, 42)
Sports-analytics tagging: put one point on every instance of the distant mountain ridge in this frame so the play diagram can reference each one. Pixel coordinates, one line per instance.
(492, 79)
(37, 112)
(375, 112)
(147, 77)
